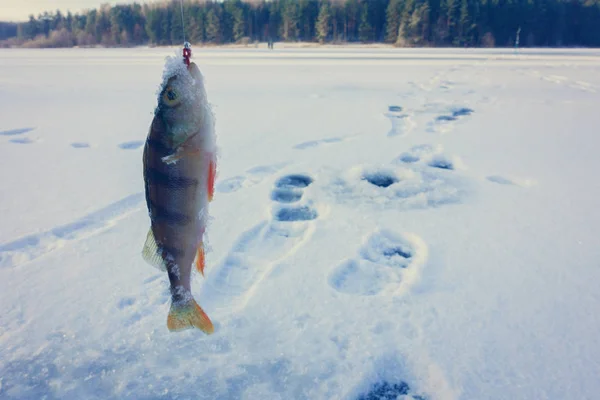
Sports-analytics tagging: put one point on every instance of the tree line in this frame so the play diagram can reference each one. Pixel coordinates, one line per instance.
(401, 22)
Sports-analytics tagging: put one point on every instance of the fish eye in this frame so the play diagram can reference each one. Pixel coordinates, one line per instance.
(170, 97)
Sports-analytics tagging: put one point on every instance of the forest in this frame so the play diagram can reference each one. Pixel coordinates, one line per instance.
(404, 23)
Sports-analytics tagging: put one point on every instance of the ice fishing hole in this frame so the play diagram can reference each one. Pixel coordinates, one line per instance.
(285, 196)
(293, 181)
(303, 213)
(380, 179)
(394, 109)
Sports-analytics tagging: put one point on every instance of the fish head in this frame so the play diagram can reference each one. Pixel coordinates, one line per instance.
(182, 104)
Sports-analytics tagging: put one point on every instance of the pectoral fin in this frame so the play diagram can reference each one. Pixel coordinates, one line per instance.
(179, 154)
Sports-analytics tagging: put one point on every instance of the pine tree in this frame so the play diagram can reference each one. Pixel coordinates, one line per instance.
(365, 29)
(290, 20)
(351, 12)
(310, 16)
(176, 31)
(69, 21)
(323, 23)
(464, 31)
(239, 25)
(405, 32)
(452, 17)
(195, 25)
(214, 33)
(377, 17)
(419, 24)
(31, 28)
(392, 21)
(440, 31)
(153, 25)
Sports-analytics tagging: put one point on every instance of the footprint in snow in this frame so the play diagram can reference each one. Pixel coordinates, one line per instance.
(382, 179)
(290, 189)
(431, 156)
(316, 143)
(252, 177)
(388, 263)
(434, 157)
(390, 391)
(24, 140)
(157, 287)
(14, 132)
(137, 308)
(230, 185)
(585, 86)
(80, 145)
(258, 250)
(444, 122)
(561, 80)
(502, 180)
(414, 180)
(28, 248)
(446, 85)
(135, 144)
(555, 78)
(126, 302)
(401, 121)
(417, 153)
(385, 380)
(140, 307)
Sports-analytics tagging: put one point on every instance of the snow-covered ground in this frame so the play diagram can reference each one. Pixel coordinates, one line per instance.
(386, 222)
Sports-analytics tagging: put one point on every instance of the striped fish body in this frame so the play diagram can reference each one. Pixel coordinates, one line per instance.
(179, 170)
(177, 201)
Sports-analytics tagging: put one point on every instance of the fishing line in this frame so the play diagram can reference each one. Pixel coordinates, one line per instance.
(182, 21)
(187, 48)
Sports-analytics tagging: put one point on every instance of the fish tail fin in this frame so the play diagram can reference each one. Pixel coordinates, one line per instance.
(187, 315)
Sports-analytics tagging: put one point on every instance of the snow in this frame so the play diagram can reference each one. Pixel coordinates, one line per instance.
(387, 223)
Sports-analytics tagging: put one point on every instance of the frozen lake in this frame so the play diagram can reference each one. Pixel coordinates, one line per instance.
(420, 223)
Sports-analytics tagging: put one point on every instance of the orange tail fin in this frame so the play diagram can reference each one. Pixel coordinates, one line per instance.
(188, 315)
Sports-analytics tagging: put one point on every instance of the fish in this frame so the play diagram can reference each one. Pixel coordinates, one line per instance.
(179, 171)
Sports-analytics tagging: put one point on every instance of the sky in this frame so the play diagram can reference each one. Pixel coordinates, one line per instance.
(19, 10)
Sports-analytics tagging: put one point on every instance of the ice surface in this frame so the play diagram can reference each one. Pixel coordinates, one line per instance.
(472, 275)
